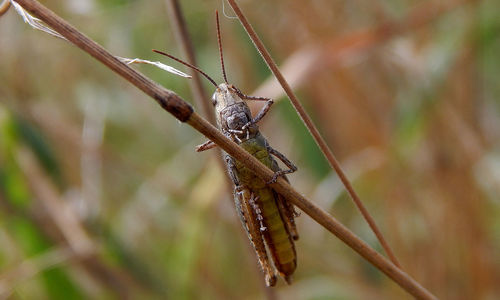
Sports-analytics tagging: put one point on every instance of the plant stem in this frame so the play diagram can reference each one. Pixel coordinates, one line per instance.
(181, 33)
(4, 7)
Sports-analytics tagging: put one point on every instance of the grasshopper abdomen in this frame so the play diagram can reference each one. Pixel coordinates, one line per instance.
(278, 231)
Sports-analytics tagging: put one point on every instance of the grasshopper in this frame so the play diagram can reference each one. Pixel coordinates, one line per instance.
(266, 216)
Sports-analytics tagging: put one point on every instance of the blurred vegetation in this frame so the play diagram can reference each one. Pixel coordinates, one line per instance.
(405, 92)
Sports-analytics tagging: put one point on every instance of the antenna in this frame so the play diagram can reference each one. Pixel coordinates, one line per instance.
(220, 46)
(187, 64)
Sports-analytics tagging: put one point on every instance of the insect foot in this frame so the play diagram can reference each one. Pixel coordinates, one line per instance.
(275, 176)
(270, 279)
(247, 125)
(246, 128)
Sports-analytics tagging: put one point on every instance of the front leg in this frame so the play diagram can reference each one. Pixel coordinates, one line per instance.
(233, 134)
(285, 160)
(261, 113)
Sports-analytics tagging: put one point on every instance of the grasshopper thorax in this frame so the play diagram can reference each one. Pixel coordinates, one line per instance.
(232, 112)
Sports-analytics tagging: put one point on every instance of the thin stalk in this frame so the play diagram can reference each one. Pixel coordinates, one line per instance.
(183, 111)
(4, 7)
(181, 33)
(313, 130)
(199, 93)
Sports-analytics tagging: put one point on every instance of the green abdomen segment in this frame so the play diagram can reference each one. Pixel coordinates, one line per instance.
(276, 235)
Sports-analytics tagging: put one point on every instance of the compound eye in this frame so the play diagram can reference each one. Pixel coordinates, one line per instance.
(214, 99)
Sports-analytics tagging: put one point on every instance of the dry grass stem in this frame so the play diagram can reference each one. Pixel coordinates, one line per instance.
(178, 23)
(183, 111)
(312, 129)
(4, 7)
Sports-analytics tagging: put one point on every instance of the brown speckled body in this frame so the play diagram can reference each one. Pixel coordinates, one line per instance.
(257, 203)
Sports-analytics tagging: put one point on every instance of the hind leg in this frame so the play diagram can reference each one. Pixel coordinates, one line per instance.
(245, 206)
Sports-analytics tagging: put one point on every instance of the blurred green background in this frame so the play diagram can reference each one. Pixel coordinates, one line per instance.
(102, 195)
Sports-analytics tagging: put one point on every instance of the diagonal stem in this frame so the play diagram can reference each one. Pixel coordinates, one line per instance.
(4, 6)
(312, 129)
(181, 33)
(183, 111)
